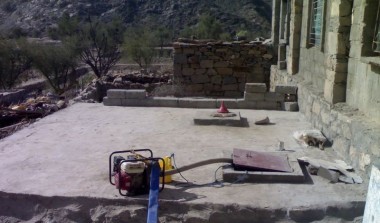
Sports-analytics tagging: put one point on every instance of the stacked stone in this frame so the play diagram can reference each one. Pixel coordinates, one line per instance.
(220, 68)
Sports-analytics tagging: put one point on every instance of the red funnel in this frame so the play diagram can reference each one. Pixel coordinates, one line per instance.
(223, 108)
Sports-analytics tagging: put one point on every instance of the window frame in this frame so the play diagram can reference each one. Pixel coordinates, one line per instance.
(311, 24)
(376, 34)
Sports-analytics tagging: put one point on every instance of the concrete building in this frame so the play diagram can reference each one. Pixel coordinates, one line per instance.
(330, 49)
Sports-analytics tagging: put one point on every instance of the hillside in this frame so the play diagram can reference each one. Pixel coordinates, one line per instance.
(34, 17)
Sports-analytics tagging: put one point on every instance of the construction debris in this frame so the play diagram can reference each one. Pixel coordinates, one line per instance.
(264, 121)
(332, 170)
(15, 117)
(311, 138)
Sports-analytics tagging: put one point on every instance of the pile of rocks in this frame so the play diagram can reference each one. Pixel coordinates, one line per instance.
(16, 116)
(97, 89)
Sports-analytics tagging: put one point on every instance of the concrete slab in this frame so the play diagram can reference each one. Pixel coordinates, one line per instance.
(61, 163)
(206, 118)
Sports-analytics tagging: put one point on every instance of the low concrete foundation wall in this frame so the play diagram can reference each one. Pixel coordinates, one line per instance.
(256, 96)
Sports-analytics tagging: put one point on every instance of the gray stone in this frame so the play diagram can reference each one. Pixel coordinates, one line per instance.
(166, 101)
(111, 101)
(291, 106)
(229, 80)
(286, 89)
(116, 93)
(207, 63)
(268, 105)
(224, 71)
(180, 59)
(274, 96)
(200, 79)
(216, 79)
(233, 94)
(196, 103)
(243, 104)
(255, 87)
(230, 87)
(148, 102)
(221, 64)
(331, 175)
(187, 71)
(254, 96)
(135, 94)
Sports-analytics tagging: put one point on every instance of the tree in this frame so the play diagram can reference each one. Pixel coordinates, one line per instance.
(57, 64)
(15, 59)
(208, 27)
(99, 44)
(139, 46)
(163, 36)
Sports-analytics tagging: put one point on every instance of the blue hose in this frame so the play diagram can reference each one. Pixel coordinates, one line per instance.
(153, 193)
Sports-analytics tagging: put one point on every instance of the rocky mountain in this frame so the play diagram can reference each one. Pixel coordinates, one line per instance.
(34, 17)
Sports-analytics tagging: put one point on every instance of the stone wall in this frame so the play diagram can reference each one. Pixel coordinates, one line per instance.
(363, 81)
(339, 81)
(220, 69)
(354, 137)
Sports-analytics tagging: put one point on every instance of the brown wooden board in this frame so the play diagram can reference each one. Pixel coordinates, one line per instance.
(253, 160)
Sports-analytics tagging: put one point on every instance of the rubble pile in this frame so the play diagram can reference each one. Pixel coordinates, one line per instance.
(15, 117)
(97, 89)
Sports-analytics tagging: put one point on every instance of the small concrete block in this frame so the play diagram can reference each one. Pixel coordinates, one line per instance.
(116, 93)
(243, 104)
(166, 101)
(196, 103)
(286, 89)
(330, 175)
(291, 106)
(148, 102)
(274, 96)
(269, 105)
(230, 103)
(112, 101)
(254, 96)
(135, 94)
(255, 87)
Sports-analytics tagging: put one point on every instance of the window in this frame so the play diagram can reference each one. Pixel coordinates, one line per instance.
(376, 39)
(316, 22)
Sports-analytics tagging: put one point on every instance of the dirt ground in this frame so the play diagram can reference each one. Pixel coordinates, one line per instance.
(59, 165)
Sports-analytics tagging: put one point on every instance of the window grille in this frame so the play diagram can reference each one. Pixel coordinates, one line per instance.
(315, 38)
(376, 39)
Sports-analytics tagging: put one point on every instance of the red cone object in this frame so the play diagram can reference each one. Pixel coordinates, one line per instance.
(223, 108)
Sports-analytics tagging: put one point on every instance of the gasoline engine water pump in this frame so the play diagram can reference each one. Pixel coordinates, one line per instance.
(132, 172)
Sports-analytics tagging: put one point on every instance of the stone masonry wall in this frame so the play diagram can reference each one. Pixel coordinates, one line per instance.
(220, 69)
(354, 137)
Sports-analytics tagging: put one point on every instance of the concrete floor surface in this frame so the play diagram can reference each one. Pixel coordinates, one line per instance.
(66, 154)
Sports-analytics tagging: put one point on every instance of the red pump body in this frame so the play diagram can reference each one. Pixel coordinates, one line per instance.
(123, 181)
